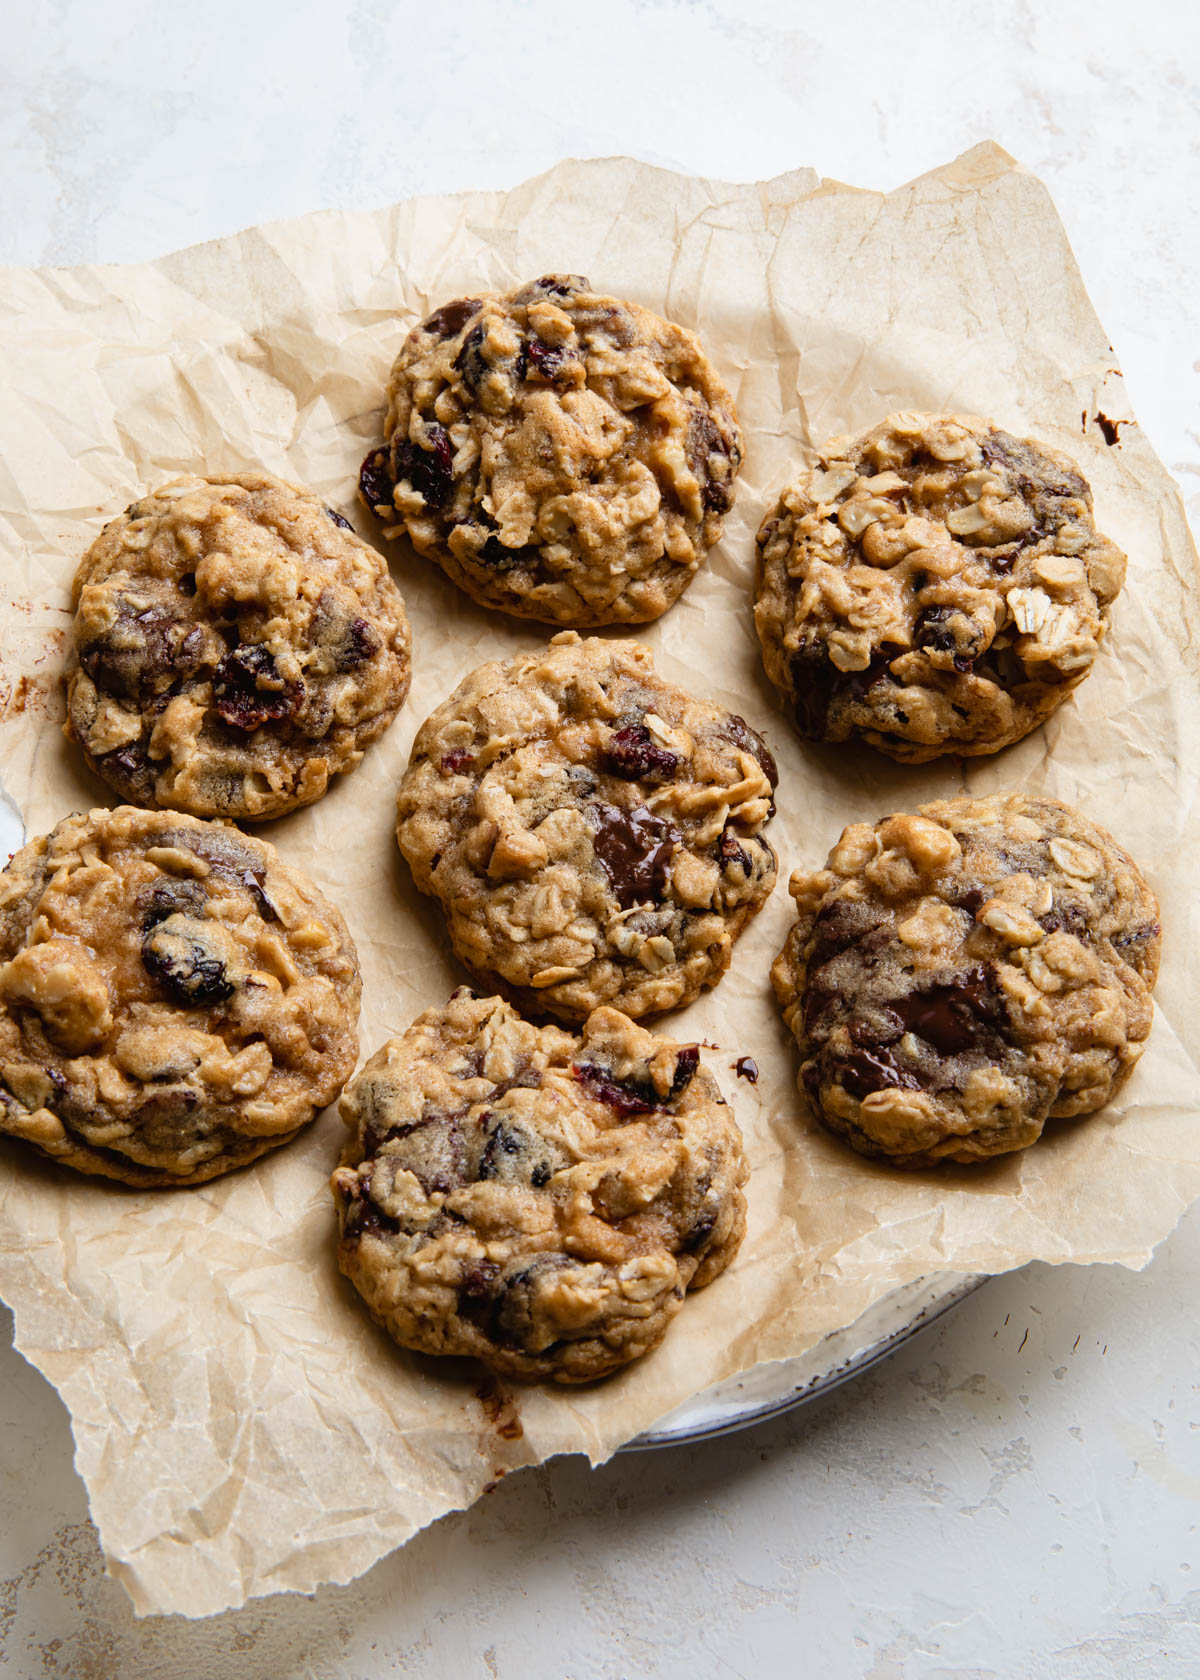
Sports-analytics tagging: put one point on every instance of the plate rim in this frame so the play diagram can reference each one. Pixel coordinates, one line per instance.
(822, 1382)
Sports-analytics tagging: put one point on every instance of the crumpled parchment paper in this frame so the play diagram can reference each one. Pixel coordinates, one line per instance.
(241, 1426)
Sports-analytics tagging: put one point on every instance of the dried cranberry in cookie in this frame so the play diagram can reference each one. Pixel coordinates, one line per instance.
(238, 645)
(533, 1199)
(957, 977)
(937, 586)
(561, 455)
(174, 1000)
(594, 833)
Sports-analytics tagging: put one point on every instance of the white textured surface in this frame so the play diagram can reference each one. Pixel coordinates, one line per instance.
(1015, 1494)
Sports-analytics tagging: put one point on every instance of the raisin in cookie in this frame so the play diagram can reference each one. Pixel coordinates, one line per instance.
(561, 455)
(174, 1000)
(957, 977)
(536, 1200)
(238, 645)
(593, 832)
(936, 586)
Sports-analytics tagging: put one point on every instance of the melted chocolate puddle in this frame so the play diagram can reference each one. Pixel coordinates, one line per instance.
(635, 849)
(965, 1015)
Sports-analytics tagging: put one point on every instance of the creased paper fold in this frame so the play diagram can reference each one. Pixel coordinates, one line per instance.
(241, 1427)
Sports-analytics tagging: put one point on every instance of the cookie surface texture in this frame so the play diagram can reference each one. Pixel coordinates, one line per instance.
(593, 832)
(957, 977)
(563, 456)
(937, 586)
(174, 999)
(533, 1199)
(238, 645)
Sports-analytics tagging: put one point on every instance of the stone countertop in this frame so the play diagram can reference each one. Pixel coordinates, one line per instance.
(1015, 1493)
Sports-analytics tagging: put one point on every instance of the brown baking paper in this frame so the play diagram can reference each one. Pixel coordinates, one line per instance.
(241, 1426)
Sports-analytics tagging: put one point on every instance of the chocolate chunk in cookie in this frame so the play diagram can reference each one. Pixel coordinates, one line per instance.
(238, 645)
(533, 1199)
(594, 833)
(561, 455)
(174, 1000)
(937, 586)
(957, 977)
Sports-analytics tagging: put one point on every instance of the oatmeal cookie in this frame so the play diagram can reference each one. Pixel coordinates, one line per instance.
(594, 833)
(936, 586)
(237, 645)
(174, 1000)
(958, 977)
(561, 455)
(533, 1199)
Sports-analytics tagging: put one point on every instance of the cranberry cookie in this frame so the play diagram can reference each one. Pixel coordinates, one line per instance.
(561, 455)
(238, 645)
(174, 1000)
(594, 833)
(958, 977)
(535, 1200)
(936, 586)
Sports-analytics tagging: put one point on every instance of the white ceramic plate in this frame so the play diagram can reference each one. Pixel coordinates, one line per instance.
(767, 1390)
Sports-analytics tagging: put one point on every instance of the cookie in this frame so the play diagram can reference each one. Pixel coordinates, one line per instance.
(174, 999)
(594, 833)
(238, 645)
(957, 977)
(561, 455)
(533, 1199)
(937, 586)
